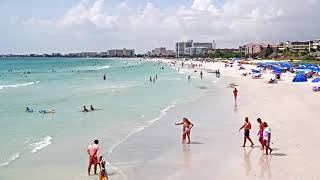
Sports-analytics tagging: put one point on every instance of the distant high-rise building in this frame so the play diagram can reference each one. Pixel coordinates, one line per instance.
(214, 45)
(191, 48)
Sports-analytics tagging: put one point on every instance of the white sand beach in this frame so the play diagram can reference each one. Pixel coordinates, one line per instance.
(290, 109)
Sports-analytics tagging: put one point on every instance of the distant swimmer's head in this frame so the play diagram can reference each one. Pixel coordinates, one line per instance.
(96, 141)
(259, 120)
(246, 119)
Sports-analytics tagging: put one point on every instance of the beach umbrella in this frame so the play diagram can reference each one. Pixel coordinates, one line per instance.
(300, 78)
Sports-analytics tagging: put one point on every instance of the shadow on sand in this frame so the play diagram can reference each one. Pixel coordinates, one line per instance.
(194, 142)
(278, 154)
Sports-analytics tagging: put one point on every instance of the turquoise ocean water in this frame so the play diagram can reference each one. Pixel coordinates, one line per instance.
(48, 144)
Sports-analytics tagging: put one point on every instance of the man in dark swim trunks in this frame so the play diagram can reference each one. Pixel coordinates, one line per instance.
(246, 127)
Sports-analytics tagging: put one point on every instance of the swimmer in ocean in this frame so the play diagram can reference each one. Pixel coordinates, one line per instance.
(91, 107)
(85, 109)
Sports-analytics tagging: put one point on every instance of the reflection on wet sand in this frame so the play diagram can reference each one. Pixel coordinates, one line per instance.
(265, 170)
(235, 107)
(187, 155)
(247, 160)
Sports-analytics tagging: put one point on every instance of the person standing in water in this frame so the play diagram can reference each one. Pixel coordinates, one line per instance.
(260, 133)
(150, 79)
(235, 94)
(246, 127)
(103, 172)
(93, 156)
(201, 74)
(104, 77)
(267, 137)
(186, 129)
(156, 76)
(154, 79)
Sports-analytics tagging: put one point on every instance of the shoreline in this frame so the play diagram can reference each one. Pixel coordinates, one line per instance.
(257, 99)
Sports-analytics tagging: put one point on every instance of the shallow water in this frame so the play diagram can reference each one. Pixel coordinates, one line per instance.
(53, 146)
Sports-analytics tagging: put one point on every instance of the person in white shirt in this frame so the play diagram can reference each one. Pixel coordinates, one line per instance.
(267, 137)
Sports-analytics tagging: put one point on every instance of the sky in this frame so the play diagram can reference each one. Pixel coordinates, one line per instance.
(46, 26)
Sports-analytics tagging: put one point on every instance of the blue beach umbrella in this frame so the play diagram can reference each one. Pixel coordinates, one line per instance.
(300, 78)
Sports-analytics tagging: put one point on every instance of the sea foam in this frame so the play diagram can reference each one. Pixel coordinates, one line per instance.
(162, 113)
(18, 85)
(42, 143)
(11, 159)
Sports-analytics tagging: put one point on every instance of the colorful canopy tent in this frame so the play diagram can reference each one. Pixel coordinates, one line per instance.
(300, 78)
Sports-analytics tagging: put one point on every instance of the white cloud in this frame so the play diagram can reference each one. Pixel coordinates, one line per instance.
(230, 23)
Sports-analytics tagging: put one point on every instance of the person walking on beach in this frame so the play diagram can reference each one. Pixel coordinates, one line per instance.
(186, 129)
(260, 133)
(201, 74)
(246, 126)
(93, 156)
(267, 137)
(235, 93)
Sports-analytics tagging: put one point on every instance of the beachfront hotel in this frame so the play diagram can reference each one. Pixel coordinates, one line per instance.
(300, 46)
(121, 52)
(190, 48)
(162, 52)
(255, 48)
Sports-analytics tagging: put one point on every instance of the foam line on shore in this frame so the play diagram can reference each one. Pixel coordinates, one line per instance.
(162, 113)
(18, 85)
(43, 143)
(11, 159)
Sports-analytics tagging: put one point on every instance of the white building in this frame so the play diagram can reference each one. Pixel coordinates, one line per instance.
(191, 48)
(121, 52)
(162, 51)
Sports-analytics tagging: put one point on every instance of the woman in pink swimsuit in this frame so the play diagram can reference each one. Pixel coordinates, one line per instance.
(186, 129)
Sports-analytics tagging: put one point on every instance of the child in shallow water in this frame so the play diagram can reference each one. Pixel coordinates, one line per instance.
(103, 172)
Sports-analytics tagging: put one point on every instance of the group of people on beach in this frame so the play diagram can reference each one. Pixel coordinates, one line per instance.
(264, 131)
(92, 151)
(264, 134)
